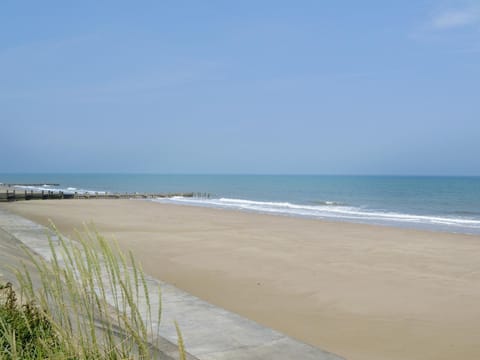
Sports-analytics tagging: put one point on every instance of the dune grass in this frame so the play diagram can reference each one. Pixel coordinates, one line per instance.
(84, 305)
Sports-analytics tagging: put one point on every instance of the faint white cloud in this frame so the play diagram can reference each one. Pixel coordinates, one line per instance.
(457, 25)
(455, 18)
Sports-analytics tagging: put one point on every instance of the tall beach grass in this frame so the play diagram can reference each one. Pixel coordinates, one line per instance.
(91, 301)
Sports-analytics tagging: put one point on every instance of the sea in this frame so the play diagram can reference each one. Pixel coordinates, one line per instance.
(439, 203)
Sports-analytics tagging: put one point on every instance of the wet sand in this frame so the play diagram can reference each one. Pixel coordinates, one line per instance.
(361, 291)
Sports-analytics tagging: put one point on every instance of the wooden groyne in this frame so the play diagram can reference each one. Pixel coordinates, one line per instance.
(16, 195)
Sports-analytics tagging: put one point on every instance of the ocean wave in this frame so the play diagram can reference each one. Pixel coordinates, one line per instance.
(331, 211)
(323, 202)
(68, 190)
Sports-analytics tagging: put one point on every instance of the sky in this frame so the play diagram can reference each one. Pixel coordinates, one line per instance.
(257, 87)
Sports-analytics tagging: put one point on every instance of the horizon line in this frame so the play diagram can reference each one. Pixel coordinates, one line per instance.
(233, 174)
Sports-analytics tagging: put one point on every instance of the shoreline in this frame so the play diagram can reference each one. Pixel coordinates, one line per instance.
(326, 219)
(445, 212)
(327, 211)
(358, 290)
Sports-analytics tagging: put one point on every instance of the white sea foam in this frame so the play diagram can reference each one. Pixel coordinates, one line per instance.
(333, 211)
(68, 190)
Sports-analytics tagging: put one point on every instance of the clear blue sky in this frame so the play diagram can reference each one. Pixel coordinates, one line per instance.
(317, 87)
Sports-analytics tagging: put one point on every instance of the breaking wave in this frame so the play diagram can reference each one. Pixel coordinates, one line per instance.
(330, 210)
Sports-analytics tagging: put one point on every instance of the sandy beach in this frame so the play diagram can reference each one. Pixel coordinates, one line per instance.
(361, 291)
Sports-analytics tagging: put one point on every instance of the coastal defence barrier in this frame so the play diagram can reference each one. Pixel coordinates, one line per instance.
(16, 195)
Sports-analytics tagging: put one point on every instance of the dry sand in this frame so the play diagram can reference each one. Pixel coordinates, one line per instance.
(364, 292)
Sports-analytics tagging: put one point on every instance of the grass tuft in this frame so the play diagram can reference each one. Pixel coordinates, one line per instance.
(85, 306)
